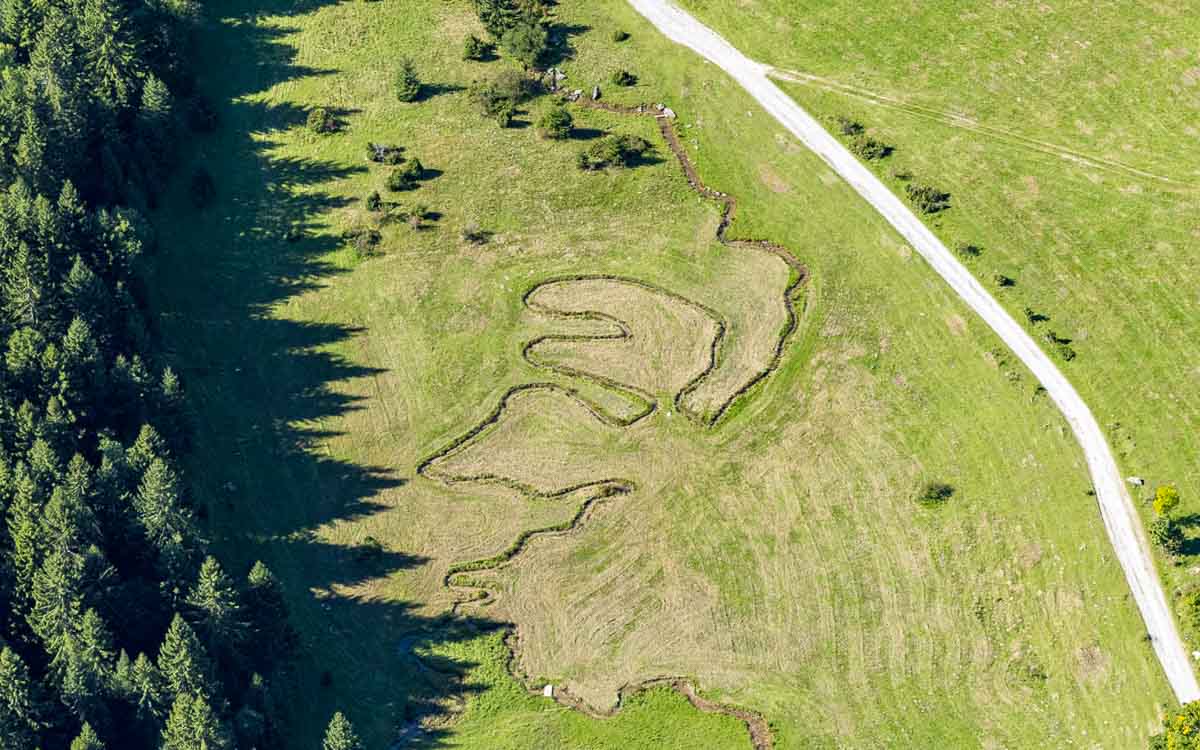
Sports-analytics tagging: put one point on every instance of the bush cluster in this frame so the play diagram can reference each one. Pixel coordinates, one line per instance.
(498, 98)
(613, 151)
(624, 78)
(321, 121)
(927, 199)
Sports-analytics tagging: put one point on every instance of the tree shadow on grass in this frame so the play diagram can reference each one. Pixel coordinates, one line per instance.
(264, 390)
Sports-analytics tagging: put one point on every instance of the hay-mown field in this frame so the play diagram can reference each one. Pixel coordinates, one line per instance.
(776, 557)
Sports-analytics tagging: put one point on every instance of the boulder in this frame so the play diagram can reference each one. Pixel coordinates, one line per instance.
(595, 93)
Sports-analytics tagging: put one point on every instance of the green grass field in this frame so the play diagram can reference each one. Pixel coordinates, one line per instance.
(1102, 251)
(779, 558)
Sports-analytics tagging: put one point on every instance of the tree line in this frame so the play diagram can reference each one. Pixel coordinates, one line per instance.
(117, 628)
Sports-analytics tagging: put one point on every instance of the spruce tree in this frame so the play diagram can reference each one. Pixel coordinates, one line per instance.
(271, 635)
(183, 662)
(20, 711)
(111, 56)
(192, 725)
(87, 739)
(147, 690)
(216, 608)
(340, 735)
(57, 605)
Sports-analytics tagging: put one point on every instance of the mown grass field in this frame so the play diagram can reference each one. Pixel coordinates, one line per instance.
(779, 558)
(1106, 254)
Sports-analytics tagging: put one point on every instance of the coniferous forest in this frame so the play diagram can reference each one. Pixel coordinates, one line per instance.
(117, 629)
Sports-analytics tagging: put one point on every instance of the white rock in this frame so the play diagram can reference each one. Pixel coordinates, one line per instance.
(548, 691)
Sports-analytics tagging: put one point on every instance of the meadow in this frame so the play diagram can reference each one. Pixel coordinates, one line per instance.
(1066, 134)
(777, 557)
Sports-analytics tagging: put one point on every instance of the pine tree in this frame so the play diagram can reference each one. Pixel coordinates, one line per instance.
(216, 609)
(271, 635)
(85, 294)
(20, 711)
(148, 446)
(146, 688)
(25, 553)
(112, 58)
(167, 522)
(82, 366)
(340, 735)
(182, 661)
(192, 725)
(19, 22)
(25, 289)
(57, 605)
(87, 739)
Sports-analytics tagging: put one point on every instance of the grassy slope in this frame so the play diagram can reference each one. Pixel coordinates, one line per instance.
(1108, 256)
(323, 380)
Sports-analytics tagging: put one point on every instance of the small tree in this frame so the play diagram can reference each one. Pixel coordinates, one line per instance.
(340, 735)
(1166, 534)
(620, 35)
(869, 149)
(374, 202)
(1166, 499)
(476, 49)
(526, 43)
(624, 78)
(927, 199)
(967, 250)
(321, 121)
(556, 123)
(849, 127)
(406, 177)
(407, 83)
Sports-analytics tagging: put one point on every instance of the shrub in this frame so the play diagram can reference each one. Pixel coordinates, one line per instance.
(526, 43)
(407, 84)
(620, 35)
(374, 202)
(384, 154)
(363, 240)
(556, 123)
(869, 149)
(927, 199)
(498, 98)
(1189, 605)
(475, 235)
(406, 177)
(1066, 352)
(613, 151)
(202, 188)
(1034, 317)
(1166, 499)
(1003, 281)
(1166, 535)
(934, 494)
(967, 250)
(848, 127)
(320, 121)
(624, 78)
(476, 49)
(415, 216)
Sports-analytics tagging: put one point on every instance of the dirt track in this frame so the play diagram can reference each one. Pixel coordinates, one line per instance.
(1116, 506)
